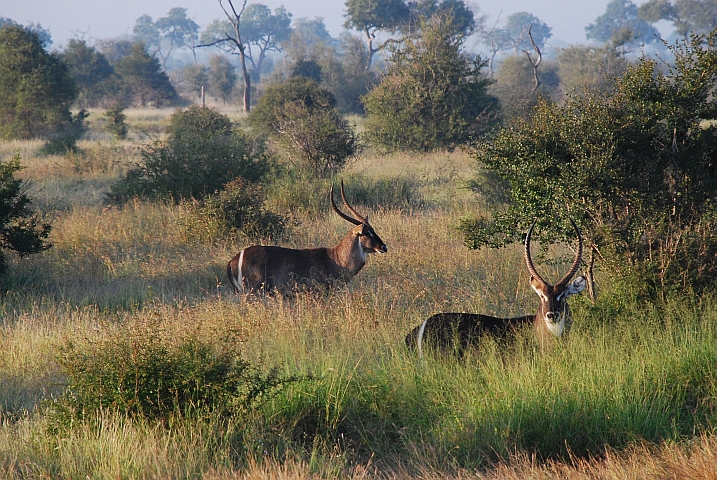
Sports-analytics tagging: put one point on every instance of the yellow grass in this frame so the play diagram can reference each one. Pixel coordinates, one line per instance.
(133, 264)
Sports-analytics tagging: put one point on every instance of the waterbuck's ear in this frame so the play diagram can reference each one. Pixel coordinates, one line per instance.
(577, 286)
(358, 229)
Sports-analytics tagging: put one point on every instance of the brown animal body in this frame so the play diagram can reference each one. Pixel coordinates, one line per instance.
(264, 269)
(457, 331)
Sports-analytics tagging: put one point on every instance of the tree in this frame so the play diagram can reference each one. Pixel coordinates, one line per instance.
(461, 17)
(634, 167)
(520, 31)
(36, 88)
(621, 26)
(178, 31)
(592, 68)
(303, 119)
(203, 152)
(146, 31)
(514, 86)
(91, 71)
(142, 80)
(196, 78)
(42, 33)
(370, 17)
(517, 26)
(688, 16)
(432, 96)
(234, 39)
(222, 77)
(168, 33)
(21, 229)
(265, 30)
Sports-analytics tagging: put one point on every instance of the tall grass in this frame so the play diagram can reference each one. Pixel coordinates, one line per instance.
(632, 379)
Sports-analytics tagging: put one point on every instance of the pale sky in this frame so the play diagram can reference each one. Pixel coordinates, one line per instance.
(94, 19)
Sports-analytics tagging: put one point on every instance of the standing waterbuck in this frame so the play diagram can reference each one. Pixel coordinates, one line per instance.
(267, 268)
(457, 331)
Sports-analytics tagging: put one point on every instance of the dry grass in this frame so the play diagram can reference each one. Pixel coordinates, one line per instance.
(132, 264)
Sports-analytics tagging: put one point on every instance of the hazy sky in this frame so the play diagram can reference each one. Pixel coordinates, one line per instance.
(109, 18)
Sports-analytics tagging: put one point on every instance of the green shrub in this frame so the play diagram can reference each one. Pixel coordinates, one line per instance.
(116, 121)
(21, 229)
(204, 151)
(65, 141)
(138, 373)
(303, 119)
(237, 210)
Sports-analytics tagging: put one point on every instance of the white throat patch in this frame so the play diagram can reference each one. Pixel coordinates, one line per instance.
(556, 328)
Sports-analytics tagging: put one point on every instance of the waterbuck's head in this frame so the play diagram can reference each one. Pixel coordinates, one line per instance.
(368, 240)
(554, 311)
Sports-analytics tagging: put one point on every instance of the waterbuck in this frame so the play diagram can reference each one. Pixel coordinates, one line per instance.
(264, 269)
(448, 332)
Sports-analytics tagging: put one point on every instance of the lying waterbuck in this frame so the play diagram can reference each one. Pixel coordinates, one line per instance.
(455, 332)
(261, 269)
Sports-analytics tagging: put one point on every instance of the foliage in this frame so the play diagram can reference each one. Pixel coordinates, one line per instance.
(303, 119)
(460, 16)
(162, 37)
(36, 88)
(592, 68)
(138, 373)
(370, 17)
(237, 211)
(621, 25)
(432, 96)
(265, 30)
(514, 86)
(515, 31)
(65, 141)
(196, 78)
(202, 153)
(21, 229)
(143, 81)
(222, 78)
(687, 16)
(116, 121)
(91, 71)
(633, 167)
(32, 27)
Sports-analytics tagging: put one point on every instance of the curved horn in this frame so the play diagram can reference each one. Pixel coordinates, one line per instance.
(336, 209)
(528, 259)
(578, 257)
(349, 207)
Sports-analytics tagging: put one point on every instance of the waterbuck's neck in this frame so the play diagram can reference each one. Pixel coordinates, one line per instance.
(349, 254)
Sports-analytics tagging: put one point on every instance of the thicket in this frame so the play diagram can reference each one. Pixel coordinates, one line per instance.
(203, 152)
(22, 230)
(136, 371)
(36, 88)
(302, 118)
(433, 96)
(634, 167)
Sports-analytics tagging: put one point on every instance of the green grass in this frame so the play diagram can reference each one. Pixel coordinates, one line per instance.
(630, 374)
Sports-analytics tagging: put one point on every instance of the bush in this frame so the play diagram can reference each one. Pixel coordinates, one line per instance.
(21, 229)
(302, 117)
(238, 210)
(65, 141)
(116, 121)
(137, 372)
(204, 151)
(432, 96)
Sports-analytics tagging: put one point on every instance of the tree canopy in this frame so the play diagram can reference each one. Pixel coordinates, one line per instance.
(432, 95)
(36, 88)
(621, 25)
(634, 167)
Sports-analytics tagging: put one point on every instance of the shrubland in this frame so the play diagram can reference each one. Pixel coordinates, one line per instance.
(124, 353)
